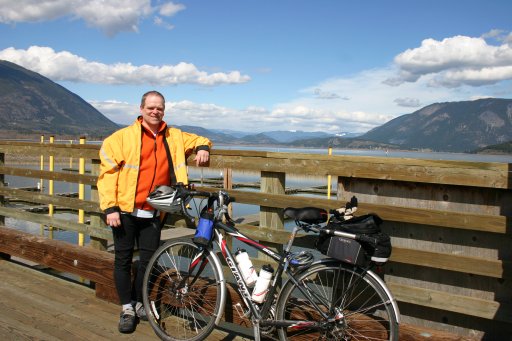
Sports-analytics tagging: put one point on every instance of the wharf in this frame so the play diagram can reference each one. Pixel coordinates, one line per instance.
(40, 306)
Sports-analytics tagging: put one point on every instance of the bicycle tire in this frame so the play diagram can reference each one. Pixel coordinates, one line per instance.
(179, 308)
(359, 307)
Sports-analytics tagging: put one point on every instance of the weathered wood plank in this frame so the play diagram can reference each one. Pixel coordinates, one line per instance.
(473, 265)
(68, 225)
(49, 175)
(40, 198)
(83, 261)
(493, 175)
(479, 266)
(464, 220)
(487, 309)
(494, 268)
(478, 222)
(39, 306)
(88, 151)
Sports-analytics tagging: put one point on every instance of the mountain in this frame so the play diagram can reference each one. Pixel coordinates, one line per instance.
(502, 148)
(214, 136)
(32, 104)
(283, 136)
(217, 137)
(341, 142)
(290, 136)
(233, 133)
(449, 127)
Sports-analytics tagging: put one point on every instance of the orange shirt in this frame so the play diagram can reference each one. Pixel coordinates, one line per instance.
(154, 166)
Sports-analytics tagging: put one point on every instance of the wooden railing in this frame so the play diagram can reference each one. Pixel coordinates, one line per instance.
(449, 221)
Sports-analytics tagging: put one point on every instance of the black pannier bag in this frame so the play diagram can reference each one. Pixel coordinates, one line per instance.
(353, 251)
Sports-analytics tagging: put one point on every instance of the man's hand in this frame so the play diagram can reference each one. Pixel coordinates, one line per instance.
(114, 219)
(202, 158)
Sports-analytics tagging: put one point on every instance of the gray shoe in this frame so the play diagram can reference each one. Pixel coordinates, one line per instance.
(127, 322)
(141, 314)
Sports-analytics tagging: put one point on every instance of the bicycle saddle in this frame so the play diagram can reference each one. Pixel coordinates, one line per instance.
(310, 215)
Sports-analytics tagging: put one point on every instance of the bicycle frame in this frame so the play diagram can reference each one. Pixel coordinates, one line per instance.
(233, 266)
(259, 315)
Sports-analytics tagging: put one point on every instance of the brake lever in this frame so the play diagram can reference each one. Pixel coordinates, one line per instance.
(185, 212)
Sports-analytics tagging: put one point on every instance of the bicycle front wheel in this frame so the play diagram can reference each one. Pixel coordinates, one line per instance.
(336, 302)
(182, 292)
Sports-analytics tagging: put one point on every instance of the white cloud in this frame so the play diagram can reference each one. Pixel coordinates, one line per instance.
(368, 103)
(170, 9)
(206, 115)
(326, 95)
(213, 116)
(116, 111)
(167, 10)
(456, 61)
(494, 33)
(33, 10)
(408, 102)
(161, 22)
(111, 16)
(65, 66)
(477, 77)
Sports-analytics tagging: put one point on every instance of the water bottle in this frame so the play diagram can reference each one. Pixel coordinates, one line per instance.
(260, 290)
(244, 263)
(204, 229)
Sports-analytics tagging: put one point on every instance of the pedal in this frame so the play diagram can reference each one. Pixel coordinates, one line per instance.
(240, 310)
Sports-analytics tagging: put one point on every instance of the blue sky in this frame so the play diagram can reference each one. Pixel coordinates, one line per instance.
(255, 66)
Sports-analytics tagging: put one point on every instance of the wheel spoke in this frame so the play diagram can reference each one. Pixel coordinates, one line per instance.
(346, 304)
(181, 309)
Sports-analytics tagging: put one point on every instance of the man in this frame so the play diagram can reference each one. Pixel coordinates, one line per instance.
(134, 160)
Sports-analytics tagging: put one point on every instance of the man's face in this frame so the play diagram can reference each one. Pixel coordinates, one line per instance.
(153, 110)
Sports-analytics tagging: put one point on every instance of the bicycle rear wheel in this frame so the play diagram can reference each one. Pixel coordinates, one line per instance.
(181, 292)
(336, 302)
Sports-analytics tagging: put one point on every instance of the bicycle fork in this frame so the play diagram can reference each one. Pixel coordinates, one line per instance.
(201, 259)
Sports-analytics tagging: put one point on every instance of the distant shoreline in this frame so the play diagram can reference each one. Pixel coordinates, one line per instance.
(486, 155)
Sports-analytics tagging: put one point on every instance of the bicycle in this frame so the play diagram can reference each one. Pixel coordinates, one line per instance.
(184, 290)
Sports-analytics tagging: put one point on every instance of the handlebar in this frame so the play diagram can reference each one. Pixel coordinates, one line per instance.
(186, 191)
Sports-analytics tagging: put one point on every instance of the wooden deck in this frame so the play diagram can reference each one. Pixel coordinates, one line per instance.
(38, 306)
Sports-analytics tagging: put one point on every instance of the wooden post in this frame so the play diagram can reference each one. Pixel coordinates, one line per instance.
(329, 152)
(96, 220)
(2, 184)
(51, 165)
(41, 182)
(81, 193)
(71, 157)
(228, 184)
(272, 182)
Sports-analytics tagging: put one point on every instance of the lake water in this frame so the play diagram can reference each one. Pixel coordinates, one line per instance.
(380, 153)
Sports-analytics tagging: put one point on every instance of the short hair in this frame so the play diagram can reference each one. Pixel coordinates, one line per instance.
(152, 92)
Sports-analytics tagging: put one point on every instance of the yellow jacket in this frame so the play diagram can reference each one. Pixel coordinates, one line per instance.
(120, 160)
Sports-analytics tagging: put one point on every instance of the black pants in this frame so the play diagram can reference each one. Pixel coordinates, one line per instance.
(146, 233)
